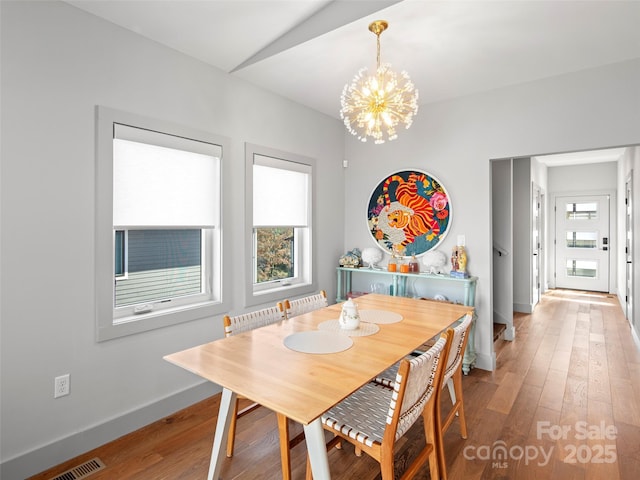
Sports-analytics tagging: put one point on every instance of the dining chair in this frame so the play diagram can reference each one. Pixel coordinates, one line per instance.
(305, 304)
(238, 324)
(452, 378)
(242, 323)
(374, 417)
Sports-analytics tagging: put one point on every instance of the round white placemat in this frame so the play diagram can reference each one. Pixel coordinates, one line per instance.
(317, 341)
(362, 331)
(379, 316)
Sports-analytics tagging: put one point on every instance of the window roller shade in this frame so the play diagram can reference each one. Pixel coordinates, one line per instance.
(169, 181)
(280, 193)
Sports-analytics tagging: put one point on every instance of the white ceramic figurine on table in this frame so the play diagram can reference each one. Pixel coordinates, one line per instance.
(349, 316)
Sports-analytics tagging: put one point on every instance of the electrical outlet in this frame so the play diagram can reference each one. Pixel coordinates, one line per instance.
(61, 386)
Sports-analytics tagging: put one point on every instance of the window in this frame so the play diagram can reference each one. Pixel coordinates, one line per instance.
(279, 191)
(158, 224)
(582, 240)
(274, 256)
(582, 268)
(582, 211)
(161, 266)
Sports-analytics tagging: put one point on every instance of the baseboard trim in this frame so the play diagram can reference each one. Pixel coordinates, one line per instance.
(636, 337)
(486, 362)
(42, 458)
(510, 333)
(523, 308)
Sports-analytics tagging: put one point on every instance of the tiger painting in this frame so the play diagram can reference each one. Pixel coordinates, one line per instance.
(421, 221)
(409, 210)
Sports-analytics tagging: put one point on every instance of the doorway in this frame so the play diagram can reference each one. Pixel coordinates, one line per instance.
(583, 242)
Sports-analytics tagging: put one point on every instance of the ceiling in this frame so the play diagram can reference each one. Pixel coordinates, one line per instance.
(581, 158)
(306, 50)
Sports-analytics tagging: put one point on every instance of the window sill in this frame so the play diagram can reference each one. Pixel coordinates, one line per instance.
(132, 324)
(277, 294)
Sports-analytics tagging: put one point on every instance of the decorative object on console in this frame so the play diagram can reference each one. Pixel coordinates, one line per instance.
(409, 213)
(459, 262)
(404, 266)
(373, 105)
(414, 266)
(392, 265)
(351, 259)
(371, 256)
(435, 262)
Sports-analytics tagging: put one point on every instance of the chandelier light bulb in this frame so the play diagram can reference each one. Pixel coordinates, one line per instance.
(374, 105)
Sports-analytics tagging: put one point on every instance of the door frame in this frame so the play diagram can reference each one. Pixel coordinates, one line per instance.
(629, 252)
(613, 234)
(538, 251)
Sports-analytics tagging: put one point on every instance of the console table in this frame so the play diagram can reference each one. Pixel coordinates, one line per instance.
(465, 286)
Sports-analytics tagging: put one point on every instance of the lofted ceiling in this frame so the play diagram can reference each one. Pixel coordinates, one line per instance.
(306, 50)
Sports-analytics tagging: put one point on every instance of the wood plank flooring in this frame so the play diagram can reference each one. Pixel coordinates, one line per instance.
(563, 403)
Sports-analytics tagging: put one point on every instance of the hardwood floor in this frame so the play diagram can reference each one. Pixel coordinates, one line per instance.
(563, 403)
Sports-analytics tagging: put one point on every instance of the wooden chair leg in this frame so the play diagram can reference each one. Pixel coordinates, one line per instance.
(438, 438)
(452, 390)
(430, 451)
(386, 467)
(457, 382)
(231, 439)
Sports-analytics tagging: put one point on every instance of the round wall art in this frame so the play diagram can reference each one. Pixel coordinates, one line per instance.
(409, 213)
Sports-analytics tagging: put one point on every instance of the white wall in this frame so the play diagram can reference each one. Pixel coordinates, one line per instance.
(454, 140)
(58, 62)
(502, 240)
(583, 178)
(522, 235)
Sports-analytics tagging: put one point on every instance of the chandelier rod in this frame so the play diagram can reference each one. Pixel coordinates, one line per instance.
(377, 28)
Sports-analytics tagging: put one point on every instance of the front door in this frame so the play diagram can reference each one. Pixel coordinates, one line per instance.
(582, 242)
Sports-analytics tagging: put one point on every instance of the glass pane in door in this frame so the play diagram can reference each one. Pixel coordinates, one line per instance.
(582, 239)
(582, 211)
(582, 268)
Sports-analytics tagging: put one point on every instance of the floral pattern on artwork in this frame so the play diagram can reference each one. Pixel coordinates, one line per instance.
(409, 213)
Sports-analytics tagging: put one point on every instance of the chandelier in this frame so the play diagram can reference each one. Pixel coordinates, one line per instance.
(373, 105)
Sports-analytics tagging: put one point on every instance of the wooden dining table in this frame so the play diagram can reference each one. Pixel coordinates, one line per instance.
(302, 386)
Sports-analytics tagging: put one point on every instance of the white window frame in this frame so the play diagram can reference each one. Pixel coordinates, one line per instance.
(304, 282)
(109, 322)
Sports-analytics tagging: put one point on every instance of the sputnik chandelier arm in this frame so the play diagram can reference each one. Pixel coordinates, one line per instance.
(373, 105)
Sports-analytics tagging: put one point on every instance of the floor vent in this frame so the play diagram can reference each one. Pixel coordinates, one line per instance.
(81, 471)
